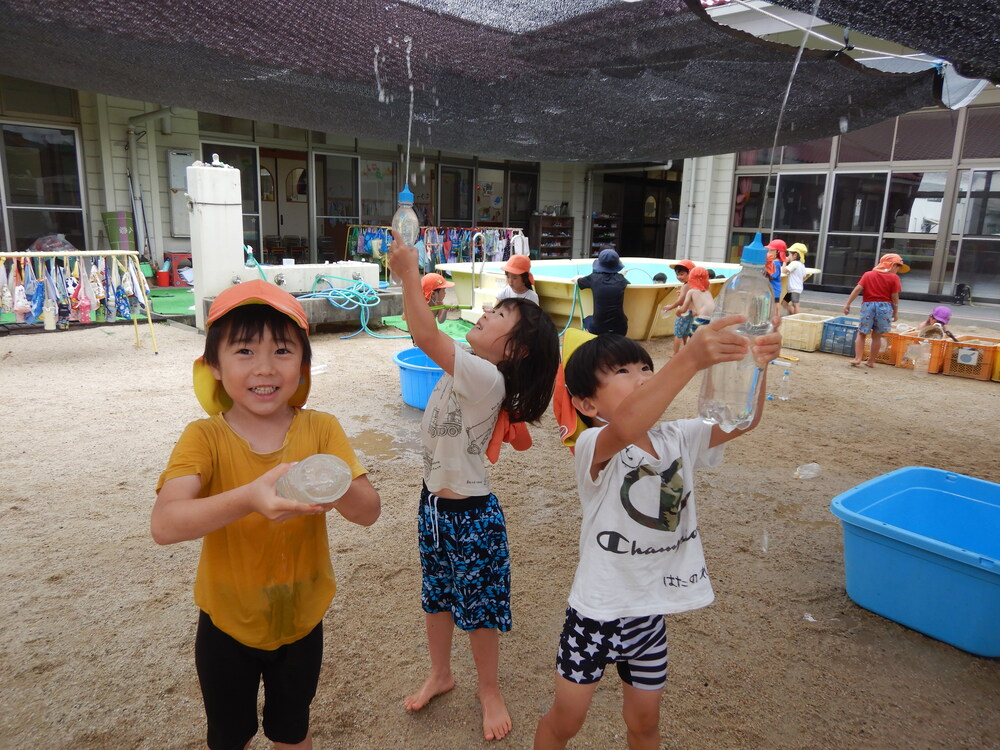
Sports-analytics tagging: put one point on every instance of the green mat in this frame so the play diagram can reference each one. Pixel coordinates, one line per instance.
(454, 328)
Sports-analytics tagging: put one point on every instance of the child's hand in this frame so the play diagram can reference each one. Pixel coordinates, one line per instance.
(718, 341)
(403, 259)
(768, 346)
(264, 498)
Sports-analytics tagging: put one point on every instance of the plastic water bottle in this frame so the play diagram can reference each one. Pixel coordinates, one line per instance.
(321, 478)
(729, 390)
(922, 358)
(785, 387)
(405, 221)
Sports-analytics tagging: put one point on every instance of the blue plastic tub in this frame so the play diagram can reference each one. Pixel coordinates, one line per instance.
(418, 374)
(922, 547)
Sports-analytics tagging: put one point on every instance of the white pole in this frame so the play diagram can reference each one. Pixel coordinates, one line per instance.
(216, 207)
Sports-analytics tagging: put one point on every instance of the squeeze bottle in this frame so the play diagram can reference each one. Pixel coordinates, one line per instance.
(320, 478)
(405, 221)
(729, 390)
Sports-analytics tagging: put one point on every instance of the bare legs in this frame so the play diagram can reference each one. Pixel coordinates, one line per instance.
(640, 709)
(485, 644)
(859, 349)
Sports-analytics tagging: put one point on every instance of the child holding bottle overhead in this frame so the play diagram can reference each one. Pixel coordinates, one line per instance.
(264, 580)
(483, 399)
(682, 323)
(641, 554)
(698, 302)
(520, 282)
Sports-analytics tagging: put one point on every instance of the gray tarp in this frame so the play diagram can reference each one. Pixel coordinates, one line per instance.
(551, 80)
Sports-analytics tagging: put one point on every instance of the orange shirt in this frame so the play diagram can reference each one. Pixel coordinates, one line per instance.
(264, 583)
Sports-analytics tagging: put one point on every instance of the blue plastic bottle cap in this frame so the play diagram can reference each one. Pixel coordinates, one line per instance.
(405, 196)
(754, 253)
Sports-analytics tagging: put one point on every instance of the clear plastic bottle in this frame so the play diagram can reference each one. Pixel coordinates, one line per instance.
(405, 221)
(49, 314)
(921, 359)
(729, 390)
(321, 478)
(785, 386)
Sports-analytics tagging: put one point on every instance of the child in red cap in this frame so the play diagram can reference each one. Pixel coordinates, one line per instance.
(879, 306)
(264, 580)
(433, 286)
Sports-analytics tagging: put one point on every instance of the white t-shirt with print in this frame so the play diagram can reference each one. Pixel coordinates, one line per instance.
(640, 545)
(458, 423)
(796, 276)
(507, 293)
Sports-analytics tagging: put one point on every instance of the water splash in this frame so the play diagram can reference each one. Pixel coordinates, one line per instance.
(378, 81)
(409, 123)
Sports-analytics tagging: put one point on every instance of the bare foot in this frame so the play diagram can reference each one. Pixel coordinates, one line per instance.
(869, 364)
(496, 720)
(432, 687)
(855, 363)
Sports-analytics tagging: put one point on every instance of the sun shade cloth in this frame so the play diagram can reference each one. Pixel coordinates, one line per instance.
(546, 80)
(964, 32)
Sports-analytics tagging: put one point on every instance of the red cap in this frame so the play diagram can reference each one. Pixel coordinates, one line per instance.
(432, 282)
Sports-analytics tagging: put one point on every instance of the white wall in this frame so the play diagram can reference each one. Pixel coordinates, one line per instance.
(705, 210)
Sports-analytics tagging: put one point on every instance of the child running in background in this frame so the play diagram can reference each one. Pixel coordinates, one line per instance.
(879, 307)
(520, 282)
(484, 395)
(682, 323)
(264, 580)
(698, 302)
(795, 270)
(641, 554)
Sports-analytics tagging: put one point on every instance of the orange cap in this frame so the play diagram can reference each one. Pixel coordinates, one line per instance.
(209, 391)
(698, 278)
(432, 282)
(519, 264)
(688, 264)
(887, 261)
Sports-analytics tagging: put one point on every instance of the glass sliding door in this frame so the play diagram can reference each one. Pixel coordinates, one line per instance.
(337, 204)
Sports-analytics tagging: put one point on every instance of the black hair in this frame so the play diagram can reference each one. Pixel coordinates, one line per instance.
(711, 273)
(605, 353)
(530, 362)
(526, 278)
(660, 278)
(247, 323)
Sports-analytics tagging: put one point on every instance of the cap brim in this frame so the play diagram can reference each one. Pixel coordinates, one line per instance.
(258, 292)
(214, 399)
(903, 268)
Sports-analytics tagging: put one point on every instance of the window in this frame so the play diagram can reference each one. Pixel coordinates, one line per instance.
(456, 196)
(337, 181)
(810, 152)
(42, 186)
(983, 215)
(30, 98)
(749, 212)
(915, 202)
(523, 198)
(857, 202)
(981, 130)
(873, 143)
(379, 192)
(800, 201)
(490, 208)
(847, 257)
(979, 266)
(925, 135)
(755, 158)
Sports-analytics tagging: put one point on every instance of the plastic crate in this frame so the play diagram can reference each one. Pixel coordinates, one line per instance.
(971, 357)
(891, 344)
(938, 349)
(838, 336)
(996, 367)
(803, 331)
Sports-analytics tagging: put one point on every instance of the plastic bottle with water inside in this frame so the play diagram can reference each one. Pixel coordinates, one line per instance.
(405, 221)
(320, 478)
(729, 390)
(785, 386)
(920, 354)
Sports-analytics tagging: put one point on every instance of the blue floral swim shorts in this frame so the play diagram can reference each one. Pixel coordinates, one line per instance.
(875, 316)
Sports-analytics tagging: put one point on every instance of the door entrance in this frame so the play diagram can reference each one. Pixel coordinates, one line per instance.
(284, 205)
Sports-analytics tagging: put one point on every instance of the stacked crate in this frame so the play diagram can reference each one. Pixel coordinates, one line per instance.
(904, 356)
(971, 357)
(803, 331)
(838, 336)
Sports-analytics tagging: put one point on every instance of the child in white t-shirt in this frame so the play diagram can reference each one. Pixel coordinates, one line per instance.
(795, 270)
(520, 282)
(640, 544)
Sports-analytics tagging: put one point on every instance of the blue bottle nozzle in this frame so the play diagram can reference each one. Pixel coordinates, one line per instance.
(755, 252)
(405, 196)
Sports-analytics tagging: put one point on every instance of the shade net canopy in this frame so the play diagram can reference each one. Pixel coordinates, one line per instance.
(548, 80)
(963, 32)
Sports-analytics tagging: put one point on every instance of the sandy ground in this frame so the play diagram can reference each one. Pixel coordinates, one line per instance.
(98, 622)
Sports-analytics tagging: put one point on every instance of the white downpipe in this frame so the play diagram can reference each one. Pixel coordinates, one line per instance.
(690, 207)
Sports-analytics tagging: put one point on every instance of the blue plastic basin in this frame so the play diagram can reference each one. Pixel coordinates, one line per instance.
(418, 374)
(922, 548)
